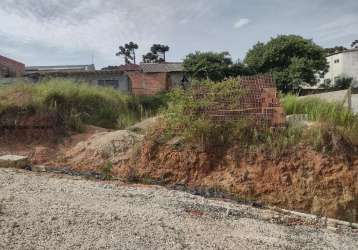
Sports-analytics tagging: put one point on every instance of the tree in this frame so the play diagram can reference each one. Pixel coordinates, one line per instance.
(210, 65)
(291, 59)
(128, 52)
(354, 44)
(132, 47)
(160, 50)
(336, 49)
(150, 58)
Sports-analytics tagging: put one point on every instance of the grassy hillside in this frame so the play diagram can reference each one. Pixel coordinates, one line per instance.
(78, 103)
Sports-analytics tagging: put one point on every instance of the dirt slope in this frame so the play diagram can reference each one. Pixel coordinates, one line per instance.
(303, 180)
(42, 211)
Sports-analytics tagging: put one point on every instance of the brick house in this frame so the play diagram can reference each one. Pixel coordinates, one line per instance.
(10, 67)
(153, 78)
(144, 79)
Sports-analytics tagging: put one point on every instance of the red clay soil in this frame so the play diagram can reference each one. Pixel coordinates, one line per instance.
(304, 180)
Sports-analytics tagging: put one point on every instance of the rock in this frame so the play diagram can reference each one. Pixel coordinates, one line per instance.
(38, 168)
(13, 161)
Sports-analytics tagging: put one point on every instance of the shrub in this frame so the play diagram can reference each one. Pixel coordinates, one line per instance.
(186, 113)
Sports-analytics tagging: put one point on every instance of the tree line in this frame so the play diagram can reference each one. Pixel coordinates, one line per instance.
(292, 60)
(156, 55)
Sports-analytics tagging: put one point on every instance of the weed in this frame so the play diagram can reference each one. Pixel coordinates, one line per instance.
(106, 171)
(2, 207)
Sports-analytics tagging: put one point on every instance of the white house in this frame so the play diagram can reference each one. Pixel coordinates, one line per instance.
(342, 64)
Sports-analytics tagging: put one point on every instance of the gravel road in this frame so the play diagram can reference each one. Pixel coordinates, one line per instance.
(48, 211)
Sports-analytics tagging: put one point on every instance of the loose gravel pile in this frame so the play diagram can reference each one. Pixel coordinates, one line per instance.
(47, 211)
(103, 147)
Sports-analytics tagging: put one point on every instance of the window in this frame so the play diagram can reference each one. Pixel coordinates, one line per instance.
(336, 61)
(113, 83)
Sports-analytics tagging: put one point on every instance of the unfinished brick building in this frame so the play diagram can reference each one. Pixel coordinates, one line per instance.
(258, 104)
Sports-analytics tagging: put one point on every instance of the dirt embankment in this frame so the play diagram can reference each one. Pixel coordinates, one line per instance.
(303, 180)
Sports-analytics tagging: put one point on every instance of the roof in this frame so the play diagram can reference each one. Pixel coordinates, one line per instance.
(161, 67)
(344, 51)
(128, 67)
(60, 68)
(9, 60)
(84, 73)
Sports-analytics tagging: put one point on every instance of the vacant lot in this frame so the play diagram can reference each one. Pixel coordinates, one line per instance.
(44, 211)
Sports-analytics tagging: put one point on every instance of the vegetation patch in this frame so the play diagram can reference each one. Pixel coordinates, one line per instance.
(78, 103)
(334, 127)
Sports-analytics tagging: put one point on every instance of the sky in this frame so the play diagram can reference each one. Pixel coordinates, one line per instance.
(55, 32)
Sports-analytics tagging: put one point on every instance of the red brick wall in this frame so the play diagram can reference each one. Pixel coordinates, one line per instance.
(148, 83)
(259, 104)
(15, 68)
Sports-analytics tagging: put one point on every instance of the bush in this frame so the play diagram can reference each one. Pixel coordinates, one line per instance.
(186, 113)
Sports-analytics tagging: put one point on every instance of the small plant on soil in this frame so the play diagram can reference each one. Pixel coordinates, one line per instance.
(106, 171)
(1, 207)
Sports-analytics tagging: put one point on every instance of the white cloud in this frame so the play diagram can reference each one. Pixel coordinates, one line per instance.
(241, 23)
(93, 26)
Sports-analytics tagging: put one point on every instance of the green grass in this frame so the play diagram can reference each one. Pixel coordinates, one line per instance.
(320, 110)
(336, 125)
(77, 103)
(335, 130)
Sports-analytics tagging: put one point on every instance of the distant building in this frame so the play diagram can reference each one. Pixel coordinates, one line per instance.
(143, 79)
(10, 68)
(114, 78)
(153, 78)
(342, 64)
(59, 68)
